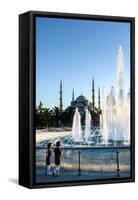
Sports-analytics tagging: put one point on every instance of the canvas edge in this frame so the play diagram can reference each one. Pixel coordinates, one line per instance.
(30, 141)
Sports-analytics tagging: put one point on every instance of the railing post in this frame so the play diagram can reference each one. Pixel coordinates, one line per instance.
(79, 169)
(117, 163)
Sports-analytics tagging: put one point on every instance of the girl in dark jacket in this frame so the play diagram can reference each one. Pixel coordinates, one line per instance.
(57, 152)
(48, 158)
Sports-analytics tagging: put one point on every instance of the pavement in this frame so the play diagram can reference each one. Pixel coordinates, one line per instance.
(73, 175)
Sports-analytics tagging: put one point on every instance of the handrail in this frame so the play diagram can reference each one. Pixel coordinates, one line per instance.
(117, 150)
(86, 148)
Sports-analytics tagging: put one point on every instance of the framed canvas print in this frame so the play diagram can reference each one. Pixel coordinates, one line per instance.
(76, 99)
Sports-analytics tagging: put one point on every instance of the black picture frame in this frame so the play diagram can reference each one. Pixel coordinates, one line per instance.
(27, 98)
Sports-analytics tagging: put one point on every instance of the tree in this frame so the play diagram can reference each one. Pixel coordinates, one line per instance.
(67, 116)
(43, 116)
(95, 117)
(56, 115)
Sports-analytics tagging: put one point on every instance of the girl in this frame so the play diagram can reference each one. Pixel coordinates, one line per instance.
(48, 157)
(57, 152)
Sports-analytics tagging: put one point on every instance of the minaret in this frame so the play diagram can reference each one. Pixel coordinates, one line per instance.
(73, 94)
(93, 95)
(61, 99)
(99, 100)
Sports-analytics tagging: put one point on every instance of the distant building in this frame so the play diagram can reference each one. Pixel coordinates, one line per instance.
(81, 102)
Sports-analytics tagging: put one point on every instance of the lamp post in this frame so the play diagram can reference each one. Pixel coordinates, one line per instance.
(117, 163)
(79, 169)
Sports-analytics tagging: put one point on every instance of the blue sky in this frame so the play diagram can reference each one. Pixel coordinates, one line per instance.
(75, 51)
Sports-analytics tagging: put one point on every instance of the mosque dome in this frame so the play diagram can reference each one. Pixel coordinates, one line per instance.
(81, 98)
(81, 102)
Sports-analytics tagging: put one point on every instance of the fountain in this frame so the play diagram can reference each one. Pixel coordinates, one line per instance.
(116, 108)
(87, 125)
(115, 118)
(76, 128)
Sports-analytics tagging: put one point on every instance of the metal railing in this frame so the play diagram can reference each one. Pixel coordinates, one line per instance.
(89, 159)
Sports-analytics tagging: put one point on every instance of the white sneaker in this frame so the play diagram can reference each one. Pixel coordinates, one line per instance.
(50, 173)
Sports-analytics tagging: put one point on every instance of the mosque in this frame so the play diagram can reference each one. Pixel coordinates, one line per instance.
(81, 101)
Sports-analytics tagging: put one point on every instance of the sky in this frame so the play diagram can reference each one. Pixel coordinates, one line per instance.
(75, 51)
